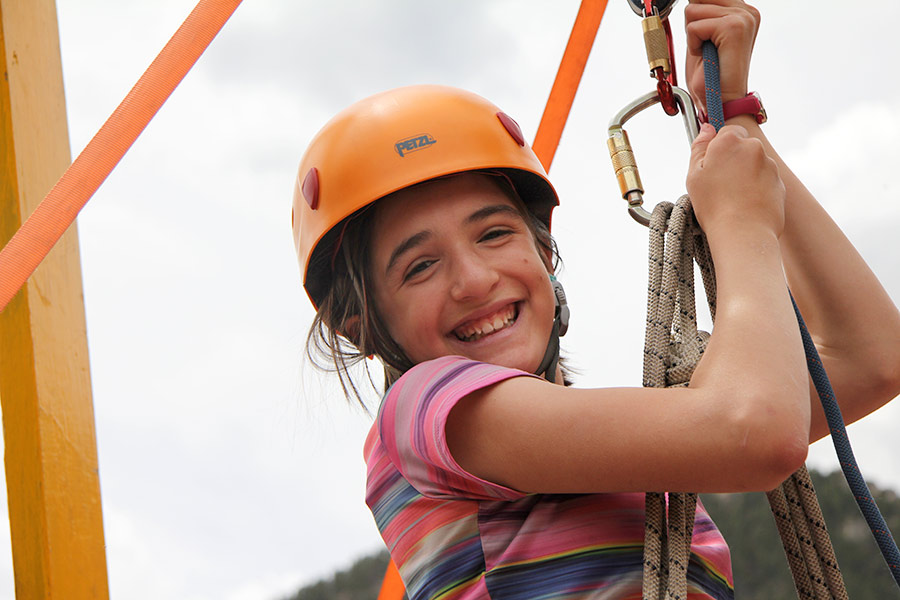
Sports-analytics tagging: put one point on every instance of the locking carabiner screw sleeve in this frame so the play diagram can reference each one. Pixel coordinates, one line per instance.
(622, 155)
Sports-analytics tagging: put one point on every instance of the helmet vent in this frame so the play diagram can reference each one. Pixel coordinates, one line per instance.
(512, 128)
(311, 188)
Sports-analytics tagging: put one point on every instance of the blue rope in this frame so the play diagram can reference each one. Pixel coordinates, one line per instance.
(713, 88)
(852, 474)
(841, 442)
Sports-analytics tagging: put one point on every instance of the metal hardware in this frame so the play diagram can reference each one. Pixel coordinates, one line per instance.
(664, 7)
(622, 155)
(660, 56)
(655, 43)
(562, 306)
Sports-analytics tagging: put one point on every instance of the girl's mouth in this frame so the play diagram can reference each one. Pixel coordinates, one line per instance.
(478, 328)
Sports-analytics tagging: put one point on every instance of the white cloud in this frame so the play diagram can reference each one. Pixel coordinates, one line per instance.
(849, 162)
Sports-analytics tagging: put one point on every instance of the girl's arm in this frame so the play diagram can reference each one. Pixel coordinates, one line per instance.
(746, 420)
(854, 323)
(852, 320)
(743, 424)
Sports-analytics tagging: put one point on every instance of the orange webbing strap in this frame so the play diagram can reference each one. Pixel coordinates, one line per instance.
(392, 588)
(34, 239)
(562, 94)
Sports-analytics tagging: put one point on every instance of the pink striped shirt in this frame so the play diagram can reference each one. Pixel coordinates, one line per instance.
(456, 536)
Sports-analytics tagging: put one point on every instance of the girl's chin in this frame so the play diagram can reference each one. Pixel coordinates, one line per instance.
(503, 348)
(513, 359)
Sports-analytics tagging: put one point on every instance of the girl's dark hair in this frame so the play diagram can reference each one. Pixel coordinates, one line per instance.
(347, 327)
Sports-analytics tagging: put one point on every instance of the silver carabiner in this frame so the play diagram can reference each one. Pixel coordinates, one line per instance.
(622, 155)
(663, 7)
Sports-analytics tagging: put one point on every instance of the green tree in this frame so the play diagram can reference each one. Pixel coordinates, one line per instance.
(361, 581)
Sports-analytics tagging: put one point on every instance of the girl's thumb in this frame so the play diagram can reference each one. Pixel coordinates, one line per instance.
(698, 148)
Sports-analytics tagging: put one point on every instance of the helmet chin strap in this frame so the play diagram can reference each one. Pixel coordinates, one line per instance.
(560, 326)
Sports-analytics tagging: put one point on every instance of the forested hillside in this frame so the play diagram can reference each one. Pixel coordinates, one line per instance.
(760, 568)
(361, 581)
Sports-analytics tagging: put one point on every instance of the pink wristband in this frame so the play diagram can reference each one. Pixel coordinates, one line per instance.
(751, 104)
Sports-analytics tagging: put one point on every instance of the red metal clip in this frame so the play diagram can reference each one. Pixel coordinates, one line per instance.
(673, 76)
(664, 83)
(664, 90)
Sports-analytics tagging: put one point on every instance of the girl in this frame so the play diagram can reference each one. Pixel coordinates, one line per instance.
(422, 221)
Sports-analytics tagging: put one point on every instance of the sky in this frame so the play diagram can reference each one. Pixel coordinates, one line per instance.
(229, 468)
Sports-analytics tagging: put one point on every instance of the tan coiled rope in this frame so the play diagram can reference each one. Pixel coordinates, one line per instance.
(672, 348)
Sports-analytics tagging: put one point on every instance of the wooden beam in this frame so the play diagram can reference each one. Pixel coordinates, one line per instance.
(48, 421)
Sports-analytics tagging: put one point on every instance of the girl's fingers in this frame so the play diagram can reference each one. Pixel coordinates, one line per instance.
(720, 25)
(732, 26)
(701, 143)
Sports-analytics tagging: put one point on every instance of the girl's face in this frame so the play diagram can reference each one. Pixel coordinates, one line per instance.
(456, 272)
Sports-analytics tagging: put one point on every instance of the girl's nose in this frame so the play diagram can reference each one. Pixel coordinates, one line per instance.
(473, 278)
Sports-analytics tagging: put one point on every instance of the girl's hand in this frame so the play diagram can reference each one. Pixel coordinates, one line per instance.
(731, 25)
(733, 182)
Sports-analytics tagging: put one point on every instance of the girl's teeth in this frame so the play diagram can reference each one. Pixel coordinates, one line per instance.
(472, 333)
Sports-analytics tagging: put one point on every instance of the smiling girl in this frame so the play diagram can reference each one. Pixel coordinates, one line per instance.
(422, 222)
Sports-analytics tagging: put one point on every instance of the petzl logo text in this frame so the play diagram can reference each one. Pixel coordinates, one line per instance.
(416, 142)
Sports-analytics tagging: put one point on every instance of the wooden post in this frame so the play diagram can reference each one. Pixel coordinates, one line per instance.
(48, 420)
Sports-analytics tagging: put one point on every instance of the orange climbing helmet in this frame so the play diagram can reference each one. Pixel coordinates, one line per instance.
(396, 139)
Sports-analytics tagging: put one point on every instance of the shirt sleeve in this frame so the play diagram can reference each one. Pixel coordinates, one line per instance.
(412, 426)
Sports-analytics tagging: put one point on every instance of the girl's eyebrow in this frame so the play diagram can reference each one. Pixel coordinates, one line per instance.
(493, 209)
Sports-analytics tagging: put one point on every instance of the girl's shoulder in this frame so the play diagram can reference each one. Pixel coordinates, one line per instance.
(454, 375)
(430, 389)
(409, 433)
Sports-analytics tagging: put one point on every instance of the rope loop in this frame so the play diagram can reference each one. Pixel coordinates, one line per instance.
(673, 346)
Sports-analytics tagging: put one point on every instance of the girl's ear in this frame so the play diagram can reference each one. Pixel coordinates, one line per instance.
(351, 332)
(350, 329)
(547, 255)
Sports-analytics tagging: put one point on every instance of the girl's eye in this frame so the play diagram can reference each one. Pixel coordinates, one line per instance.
(494, 234)
(417, 268)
